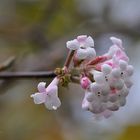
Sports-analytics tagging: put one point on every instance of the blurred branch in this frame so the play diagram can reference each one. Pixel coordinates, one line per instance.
(12, 75)
(8, 63)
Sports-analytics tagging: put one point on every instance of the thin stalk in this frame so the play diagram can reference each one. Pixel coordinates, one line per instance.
(69, 58)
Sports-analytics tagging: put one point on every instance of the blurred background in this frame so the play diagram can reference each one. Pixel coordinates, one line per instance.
(35, 32)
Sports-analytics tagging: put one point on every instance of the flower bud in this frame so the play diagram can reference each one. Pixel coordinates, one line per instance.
(130, 70)
(106, 69)
(116, 73)
(85, 82)
(123, 65)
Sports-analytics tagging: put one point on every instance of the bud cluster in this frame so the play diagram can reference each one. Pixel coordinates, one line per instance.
(105, 79)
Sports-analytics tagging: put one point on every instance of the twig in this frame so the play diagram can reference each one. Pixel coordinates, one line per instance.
(6, 64)
(12, 75)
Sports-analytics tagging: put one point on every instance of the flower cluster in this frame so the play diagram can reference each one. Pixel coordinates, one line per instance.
(83, 46)
(111, 83)
(105, 79)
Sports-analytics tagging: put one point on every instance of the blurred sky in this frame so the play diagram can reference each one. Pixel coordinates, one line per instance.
(35, 32)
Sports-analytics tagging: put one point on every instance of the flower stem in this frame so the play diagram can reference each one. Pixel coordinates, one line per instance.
(69, 58)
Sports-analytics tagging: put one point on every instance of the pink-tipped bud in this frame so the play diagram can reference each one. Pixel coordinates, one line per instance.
(85, 82)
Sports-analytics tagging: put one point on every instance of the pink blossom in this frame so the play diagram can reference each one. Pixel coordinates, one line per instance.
(48, 96)
(83, 46)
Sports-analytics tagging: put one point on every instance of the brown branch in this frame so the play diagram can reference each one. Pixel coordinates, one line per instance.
(21, 75)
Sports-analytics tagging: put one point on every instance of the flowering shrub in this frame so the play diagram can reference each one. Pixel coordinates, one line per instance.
(105, 79)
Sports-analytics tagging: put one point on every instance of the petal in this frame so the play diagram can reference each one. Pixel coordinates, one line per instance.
(130, 70)
(97, 107)
(105, 89)
(81, 38)
(56, 103)
(73, 44)
(119, 84)
(113, 98)
(85, 104)
(103, 98)
(112, 51)
(128, 83)
(81, 54)
(107, 113)
(116, 73)
(52, 103)
(91, 53)
(121, 55)
(106, 69)
(48, 104)
(94, 87)
(90, 96)
(123, 64)
(90, 41)
(99, 77)
(39, 98)
(122, 101)
(41, 87)
(117, 41)
(114, 107)
(125, 91)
